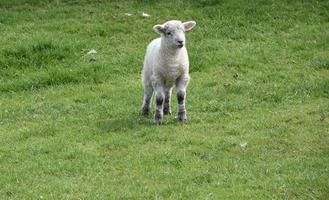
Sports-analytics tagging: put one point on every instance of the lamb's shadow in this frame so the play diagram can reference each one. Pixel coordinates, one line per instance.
(133, 122)
(119, 124)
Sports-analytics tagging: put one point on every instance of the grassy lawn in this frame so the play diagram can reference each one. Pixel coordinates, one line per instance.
(258, 101)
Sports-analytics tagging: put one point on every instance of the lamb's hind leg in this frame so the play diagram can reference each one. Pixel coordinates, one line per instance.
(148, 92)
(166, 107)
(159, 94)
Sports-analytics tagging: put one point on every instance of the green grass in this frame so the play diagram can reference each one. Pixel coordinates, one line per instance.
(70, 127)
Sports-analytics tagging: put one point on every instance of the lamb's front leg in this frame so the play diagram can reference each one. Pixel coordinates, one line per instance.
(181, 86)
(148, 91)
(166, 107)
(160, 96)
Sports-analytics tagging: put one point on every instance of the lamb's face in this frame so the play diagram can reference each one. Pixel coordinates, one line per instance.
(173, 32)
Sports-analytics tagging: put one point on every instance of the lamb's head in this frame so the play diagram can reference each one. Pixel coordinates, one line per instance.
(173, 32)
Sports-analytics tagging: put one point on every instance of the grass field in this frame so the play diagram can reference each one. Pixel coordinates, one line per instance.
(258, 101)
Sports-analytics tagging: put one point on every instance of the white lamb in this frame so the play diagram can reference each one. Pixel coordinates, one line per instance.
(166, 65)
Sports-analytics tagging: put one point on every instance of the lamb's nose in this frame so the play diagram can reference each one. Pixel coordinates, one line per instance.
(180, 42)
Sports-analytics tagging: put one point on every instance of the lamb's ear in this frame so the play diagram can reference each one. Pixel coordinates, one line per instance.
(158, 28)
(189, 25)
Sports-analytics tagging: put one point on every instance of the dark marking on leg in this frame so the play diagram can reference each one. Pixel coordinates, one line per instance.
(180, 97)
(146, 105)
(181, 106)
(166, 110)
(166, 107)
(159, 110)
(159, 100)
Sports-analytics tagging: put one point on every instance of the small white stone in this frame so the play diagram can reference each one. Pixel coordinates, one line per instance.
(92, 51)
(145, 15)
(243, 145)
(128, 14)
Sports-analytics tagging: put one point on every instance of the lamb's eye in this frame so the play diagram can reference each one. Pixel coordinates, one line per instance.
(168, 33)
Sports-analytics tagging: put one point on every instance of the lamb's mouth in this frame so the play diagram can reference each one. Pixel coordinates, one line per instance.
(180, 45)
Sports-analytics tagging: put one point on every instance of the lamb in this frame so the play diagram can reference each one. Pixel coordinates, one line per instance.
(166, 65)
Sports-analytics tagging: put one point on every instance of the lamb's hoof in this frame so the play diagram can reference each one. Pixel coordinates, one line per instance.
(166, 112)
(158, 118)
(145, 112)
(157, 122)
(182, 117)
